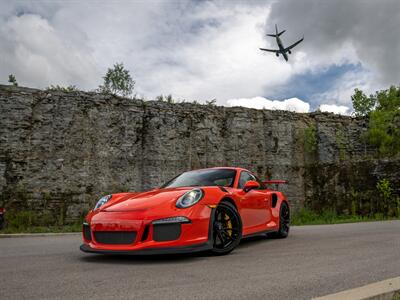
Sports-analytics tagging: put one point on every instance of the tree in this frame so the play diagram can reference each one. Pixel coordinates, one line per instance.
(362, 104)
(12, 80)
(384, 122)
(117, 81)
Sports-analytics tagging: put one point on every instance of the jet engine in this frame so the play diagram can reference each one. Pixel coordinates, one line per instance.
(277, 54)
(289, 52)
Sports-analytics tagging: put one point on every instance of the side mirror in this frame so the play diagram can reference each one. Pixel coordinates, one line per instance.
(251, 184)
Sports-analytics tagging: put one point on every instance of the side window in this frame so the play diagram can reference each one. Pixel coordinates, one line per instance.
(244, 177)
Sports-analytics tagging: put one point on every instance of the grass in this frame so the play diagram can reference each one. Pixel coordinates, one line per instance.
(24, 222)
(28, 221)
(43, 229)
(308, 217)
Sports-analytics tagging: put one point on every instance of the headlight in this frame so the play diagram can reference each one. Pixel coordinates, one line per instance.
(189, 198)
(102, 201)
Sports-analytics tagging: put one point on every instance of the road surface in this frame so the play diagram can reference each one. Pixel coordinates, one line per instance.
(312, 261)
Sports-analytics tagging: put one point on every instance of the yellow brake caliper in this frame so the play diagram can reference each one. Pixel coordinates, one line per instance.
(228, 224)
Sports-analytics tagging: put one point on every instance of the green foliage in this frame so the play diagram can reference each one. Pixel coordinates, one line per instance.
(117, 81)
(306, 216)
(167, 99)
(26, 220)
(12, 80)
(310, 139)
(383, 109)
(212, 102)
(384, 122)
(362, 104)
(385, 192)
(59, 88)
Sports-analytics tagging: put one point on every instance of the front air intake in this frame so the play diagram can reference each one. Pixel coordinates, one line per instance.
(115, 237)
(166, 232)
(86, 232)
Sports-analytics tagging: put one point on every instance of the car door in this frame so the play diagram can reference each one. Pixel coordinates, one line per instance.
(255, 210)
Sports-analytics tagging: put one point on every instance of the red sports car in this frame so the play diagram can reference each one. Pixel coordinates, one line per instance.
(208, 209)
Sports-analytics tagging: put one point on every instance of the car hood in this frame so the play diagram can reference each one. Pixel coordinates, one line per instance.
(145, 200)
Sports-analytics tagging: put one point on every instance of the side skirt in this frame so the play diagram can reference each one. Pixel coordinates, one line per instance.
(258, 233)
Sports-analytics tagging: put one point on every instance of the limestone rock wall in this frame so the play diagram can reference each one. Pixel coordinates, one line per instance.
(60, 152)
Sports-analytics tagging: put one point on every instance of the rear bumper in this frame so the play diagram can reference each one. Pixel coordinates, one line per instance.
(151, 251)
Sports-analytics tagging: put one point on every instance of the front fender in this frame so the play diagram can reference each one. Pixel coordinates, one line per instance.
(213, 195)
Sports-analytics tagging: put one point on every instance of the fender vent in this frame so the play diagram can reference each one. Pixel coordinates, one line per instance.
(274, 199)
(223, 189)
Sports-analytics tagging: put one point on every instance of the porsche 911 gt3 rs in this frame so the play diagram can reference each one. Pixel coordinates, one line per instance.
(202, 210)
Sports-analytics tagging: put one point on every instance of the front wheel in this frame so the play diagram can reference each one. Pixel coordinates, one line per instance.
(284, 222)
(227, 229)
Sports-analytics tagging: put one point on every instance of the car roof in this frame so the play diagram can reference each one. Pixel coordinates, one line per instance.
(229, 168)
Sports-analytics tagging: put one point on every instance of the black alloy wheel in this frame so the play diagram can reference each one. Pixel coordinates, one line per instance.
(227, 229)
(284, 222)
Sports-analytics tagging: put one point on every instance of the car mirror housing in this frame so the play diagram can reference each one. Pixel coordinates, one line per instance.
(250, 185)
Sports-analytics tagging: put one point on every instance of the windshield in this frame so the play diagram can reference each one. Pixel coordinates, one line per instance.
(208, 177)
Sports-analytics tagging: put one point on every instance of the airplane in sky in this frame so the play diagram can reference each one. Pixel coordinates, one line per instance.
(282, 50)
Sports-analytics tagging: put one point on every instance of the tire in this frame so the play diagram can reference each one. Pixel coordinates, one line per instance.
(284, 222)
(227, 229)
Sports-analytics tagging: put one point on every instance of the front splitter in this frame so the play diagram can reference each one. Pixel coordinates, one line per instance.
(150, 251)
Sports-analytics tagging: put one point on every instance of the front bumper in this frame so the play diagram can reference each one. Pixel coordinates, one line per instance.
(151, 251)
(193, 237)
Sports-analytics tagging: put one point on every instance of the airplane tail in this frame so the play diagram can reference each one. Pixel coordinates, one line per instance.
(276, 32)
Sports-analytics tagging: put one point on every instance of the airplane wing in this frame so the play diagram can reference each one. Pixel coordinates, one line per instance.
(269, 50)
(294, 45)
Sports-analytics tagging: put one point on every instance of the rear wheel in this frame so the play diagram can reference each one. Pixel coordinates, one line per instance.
(284, 222)
(227, 229)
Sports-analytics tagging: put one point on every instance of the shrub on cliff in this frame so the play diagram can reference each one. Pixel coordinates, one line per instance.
(362, 104)
(117, 81)
(12, 80)
(66, 89)
(384, 122)
(383, 110)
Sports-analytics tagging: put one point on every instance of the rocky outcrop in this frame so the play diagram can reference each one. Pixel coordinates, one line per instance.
(60, 151)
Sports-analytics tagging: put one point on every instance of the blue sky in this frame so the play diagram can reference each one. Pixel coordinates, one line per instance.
(310, 84)
(207, 50)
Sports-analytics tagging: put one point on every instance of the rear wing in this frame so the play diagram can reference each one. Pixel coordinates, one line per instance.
(276, 182)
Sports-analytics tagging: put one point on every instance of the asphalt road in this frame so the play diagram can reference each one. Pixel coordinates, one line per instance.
(312, 261)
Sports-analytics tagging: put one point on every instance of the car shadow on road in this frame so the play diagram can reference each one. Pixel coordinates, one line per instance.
(163, 258)
(144, 259)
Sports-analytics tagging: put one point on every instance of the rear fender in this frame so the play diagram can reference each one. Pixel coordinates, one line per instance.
(280, 198)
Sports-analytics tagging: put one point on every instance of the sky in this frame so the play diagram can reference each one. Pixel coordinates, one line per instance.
(204, 50)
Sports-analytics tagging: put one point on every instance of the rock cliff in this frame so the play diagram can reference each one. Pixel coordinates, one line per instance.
(60, 152)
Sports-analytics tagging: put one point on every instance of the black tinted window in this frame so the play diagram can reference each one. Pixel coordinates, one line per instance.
(207, 177)
(244, 177)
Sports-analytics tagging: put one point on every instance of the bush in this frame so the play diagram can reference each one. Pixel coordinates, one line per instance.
(59, 88)
(310, 139)
(117, 81)
(383, 110)
(12, 80)
(362, 104)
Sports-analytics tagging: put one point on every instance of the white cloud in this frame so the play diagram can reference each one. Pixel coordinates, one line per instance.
(336, 109)
(33, 51)
(292, 104)
(195, 50)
